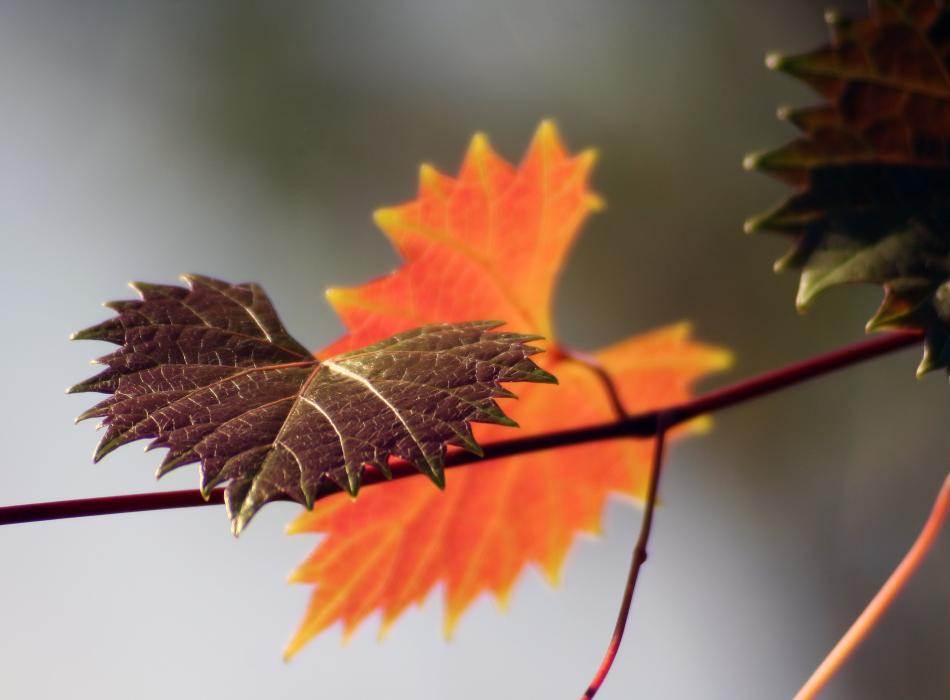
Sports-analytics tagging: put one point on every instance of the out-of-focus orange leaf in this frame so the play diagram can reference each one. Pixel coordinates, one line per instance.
(488, 244)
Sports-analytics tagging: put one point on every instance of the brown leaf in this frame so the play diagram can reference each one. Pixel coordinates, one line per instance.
(210, 373)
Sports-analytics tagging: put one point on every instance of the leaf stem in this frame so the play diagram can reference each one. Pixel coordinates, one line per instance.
(637, 560)
(883, 600)
(603, 376)
(637, 425)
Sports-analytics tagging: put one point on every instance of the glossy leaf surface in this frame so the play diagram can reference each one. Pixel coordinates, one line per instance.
(210, 373)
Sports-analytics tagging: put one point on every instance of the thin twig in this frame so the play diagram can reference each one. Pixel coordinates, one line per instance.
(883, 600)
(636, 563)
(603, 376)
(638, 425)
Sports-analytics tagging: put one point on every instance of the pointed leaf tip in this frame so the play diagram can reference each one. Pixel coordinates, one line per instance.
(774, 60)
(429, 179)
(589, 158)
(547, 132)
(352, 482)
(927, 364)
(751, 161)
(752, 225)
(479, 146)
(803, 299)
(386, 218)
(833, 18)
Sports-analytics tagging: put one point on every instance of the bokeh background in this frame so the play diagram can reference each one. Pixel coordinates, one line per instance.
(251, 141)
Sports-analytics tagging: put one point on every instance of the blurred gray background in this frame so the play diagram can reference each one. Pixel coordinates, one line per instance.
(251, 141)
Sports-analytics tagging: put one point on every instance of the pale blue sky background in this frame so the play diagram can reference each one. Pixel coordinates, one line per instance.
(251, 141)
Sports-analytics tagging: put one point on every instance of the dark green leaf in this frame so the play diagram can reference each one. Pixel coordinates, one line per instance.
(872, 167)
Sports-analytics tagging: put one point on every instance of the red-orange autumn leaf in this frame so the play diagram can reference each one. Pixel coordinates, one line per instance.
(488, 244)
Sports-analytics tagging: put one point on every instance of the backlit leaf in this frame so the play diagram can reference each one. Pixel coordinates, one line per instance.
(491, 241)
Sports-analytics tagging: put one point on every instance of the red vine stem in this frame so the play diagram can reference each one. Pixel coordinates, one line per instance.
(638, 425)
(883, 600)
(636, 562)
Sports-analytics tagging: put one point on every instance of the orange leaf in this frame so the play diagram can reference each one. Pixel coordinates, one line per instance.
(488, 244)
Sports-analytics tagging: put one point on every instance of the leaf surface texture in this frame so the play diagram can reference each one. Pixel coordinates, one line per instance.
(209, 372)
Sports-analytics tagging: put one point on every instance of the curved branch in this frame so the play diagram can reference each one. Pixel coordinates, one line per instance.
(603, 376)
(884, 598)
(638, 425)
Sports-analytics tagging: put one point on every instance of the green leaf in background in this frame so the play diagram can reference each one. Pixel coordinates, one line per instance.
(872, 168)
